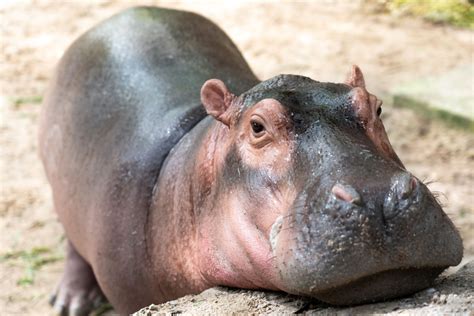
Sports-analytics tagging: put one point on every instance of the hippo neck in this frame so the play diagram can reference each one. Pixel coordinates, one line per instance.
(171, 227)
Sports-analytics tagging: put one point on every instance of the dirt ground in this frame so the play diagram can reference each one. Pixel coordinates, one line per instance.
(320, 40)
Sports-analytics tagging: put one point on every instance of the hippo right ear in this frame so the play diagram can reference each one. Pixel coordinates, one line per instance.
(216, 99)
(355, 78)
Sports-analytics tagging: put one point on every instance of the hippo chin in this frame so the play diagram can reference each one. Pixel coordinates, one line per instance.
(169, 182)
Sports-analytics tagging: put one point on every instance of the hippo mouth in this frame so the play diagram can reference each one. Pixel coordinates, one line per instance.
(380, 286)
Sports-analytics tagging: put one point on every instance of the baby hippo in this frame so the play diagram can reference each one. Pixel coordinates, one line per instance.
(174, 169)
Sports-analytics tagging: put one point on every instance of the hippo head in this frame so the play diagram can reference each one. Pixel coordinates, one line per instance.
(309, 197)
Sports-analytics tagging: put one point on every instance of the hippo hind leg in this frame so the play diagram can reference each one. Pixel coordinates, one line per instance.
(78, 292)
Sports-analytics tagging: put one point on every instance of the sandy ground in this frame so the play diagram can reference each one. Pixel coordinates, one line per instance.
(320, 40)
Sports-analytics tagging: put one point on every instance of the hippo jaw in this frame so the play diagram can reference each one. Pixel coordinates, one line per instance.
(377, 287)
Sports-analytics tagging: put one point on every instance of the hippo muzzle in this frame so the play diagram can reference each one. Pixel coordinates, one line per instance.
(364, 239)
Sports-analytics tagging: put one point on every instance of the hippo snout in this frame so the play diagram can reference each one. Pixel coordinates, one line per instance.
(404, 193)
(359, 246)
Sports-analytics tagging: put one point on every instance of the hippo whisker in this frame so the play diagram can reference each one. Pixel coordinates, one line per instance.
(428, 182)
(437, 196)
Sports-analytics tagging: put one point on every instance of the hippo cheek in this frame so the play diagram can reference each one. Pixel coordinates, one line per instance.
(236, 248)
(347, 253)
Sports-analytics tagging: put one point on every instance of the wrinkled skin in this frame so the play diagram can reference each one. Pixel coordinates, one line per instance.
(287, 184)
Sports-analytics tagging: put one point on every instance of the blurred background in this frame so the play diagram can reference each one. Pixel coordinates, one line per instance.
(417, 55)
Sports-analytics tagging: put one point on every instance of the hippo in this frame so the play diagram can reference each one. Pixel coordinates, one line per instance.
(175, 169)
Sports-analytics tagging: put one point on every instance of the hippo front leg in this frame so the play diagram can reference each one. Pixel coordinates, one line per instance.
(78, 292)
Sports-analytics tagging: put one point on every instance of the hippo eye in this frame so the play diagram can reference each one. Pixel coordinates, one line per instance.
(257, 128)
(379, 111)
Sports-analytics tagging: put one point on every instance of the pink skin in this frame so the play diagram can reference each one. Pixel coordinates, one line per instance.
(239, 255)
(235, 235)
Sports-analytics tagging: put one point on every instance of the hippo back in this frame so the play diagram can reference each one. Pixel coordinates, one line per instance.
(123, 95)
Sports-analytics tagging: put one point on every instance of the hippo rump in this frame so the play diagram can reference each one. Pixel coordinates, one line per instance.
(174, 169)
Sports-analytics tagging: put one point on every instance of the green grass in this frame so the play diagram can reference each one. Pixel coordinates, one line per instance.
(32, 261)
(102, 309)
(456, 12)
(32, 99)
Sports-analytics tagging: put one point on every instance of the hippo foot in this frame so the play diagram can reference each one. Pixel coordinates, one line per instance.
(78, 292)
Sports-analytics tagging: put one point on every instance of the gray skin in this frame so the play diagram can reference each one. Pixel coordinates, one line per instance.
(287, 184)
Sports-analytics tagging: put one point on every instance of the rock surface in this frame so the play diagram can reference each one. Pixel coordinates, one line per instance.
(452, 293)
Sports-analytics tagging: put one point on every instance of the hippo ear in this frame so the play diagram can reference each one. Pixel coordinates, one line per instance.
(355, 78)
(216, 99)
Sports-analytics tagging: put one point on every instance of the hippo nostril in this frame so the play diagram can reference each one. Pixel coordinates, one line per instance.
(401, 196)
(346, 193)
(407, 185)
